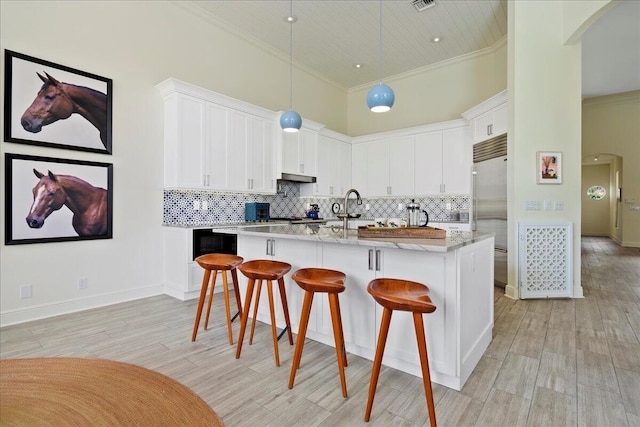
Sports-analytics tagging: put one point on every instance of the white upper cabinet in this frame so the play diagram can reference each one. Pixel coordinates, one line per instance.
(333, 166)
(299, 152)
(488, 119)
(215, 142)
(425, 160)
(443, 162)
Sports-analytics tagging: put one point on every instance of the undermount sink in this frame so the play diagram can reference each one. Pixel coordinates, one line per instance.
(349, 215)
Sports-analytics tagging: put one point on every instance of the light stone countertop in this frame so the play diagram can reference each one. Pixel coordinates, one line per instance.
(333, 234)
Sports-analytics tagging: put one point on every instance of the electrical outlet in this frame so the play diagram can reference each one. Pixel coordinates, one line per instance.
(547, 205)
(448, 206)
(400, 206)
(196, 205)
(83, 282)
(367, 207)
(205, 205)
(532, 205)
(26, 291)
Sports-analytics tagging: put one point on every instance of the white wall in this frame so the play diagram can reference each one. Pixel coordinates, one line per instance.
(432, 94)
(137, 44)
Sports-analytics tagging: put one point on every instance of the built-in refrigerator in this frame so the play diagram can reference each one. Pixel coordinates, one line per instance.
(490, 198)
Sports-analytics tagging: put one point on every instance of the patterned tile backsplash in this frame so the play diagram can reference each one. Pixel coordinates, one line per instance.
(227, 207)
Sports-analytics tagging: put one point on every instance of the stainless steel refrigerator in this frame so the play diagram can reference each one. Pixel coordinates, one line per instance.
(490, 198)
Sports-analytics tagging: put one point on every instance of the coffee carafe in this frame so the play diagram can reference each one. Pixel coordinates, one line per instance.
(414, 214)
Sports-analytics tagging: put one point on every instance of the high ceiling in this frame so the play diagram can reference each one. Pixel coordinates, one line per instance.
(330, 36)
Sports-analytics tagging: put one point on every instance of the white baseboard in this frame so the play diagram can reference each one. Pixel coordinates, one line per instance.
(70, 306)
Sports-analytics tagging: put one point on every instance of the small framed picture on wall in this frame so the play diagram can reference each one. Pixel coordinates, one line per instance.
(549, 167)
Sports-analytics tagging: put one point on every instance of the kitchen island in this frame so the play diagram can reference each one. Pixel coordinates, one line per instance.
(458, 271)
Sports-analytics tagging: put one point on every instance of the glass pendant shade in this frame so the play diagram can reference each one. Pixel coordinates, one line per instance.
(290, 121)
(380, 98)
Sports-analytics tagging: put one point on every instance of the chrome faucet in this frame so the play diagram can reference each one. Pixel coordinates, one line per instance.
(346, 215)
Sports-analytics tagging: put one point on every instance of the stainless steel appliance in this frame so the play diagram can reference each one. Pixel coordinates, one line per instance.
(490, 198)
(206, 241)
(256, 211)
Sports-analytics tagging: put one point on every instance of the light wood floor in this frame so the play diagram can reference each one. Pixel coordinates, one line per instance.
(551, 362)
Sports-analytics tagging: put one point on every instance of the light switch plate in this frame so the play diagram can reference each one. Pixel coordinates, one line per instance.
(558, 205)
(532, 205)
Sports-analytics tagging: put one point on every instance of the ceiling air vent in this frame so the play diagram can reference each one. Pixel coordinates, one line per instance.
(421, 5)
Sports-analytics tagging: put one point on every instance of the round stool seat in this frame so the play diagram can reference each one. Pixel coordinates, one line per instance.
(403, 295)
(264, 269)
(320, 280)
(219, 261)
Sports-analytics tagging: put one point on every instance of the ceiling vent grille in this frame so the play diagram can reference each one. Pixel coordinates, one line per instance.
(422, 5)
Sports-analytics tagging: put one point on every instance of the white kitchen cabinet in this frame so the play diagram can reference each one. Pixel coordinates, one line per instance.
(333, 172)
(384, 167)
(185, 145)
(443, 162)
(181, 275)
(298, 253)
(299, 152)
(489, 118)
(215, 142)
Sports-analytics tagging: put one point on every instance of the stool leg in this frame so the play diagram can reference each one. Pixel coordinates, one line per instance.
(203, 295)
(225, 285)
(344, 350)
(302, 333)
(255, 311)
(236, 289)
(274, 332)
(338, 338)
(375, 372)
(245, 315)
(424, 364)
(213, 286)
(285, 307)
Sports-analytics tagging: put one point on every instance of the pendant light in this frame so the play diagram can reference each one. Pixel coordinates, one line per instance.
(290, 121)
(381, 97)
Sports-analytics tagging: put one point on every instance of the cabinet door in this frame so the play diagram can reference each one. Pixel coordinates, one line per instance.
(401, 166)
(270, 161)
(357, 323)
(259, 156)
(325, 151)
(191, 159)
(345, 170)
(378, 169)
(456, 161)
(290, 148)
(440, 330)
(428, 163)
(481, 126)
(237, 159)
(359, 168)
(216, 148)
(307, 152)
(500, 120)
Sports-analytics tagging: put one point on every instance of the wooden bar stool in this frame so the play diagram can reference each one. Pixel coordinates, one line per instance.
(215, 263)
(404, 295)
(314, 280)
(268, 270)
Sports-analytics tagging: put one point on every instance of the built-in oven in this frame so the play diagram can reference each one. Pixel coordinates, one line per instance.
(207, 241)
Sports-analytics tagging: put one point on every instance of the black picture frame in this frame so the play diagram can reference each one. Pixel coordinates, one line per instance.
(94, 220)
(88, 125)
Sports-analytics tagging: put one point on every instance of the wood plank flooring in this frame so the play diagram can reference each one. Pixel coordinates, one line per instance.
(551, 362)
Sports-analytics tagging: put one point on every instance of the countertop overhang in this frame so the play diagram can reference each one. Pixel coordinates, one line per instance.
(333, 234)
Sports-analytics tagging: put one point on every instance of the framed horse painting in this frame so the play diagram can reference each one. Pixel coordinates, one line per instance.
(56, 106)
(56, 200)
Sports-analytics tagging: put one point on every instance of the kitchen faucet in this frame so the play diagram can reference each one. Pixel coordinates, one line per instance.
(346, 215)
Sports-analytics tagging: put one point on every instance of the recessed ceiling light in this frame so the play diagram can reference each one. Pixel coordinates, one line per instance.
(595, 158)
(357, 65)
(436, 39)
(290, 19)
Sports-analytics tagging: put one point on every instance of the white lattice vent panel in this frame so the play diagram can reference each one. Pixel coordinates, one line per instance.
(545, 261)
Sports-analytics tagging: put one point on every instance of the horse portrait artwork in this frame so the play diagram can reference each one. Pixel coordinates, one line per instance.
(58, 101)
(88, 204)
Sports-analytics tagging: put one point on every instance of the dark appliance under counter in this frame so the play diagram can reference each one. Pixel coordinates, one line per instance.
(208, 241)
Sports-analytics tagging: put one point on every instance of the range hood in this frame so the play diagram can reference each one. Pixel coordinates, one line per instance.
(297, 178)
